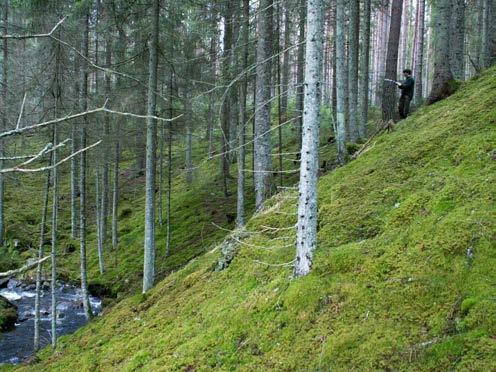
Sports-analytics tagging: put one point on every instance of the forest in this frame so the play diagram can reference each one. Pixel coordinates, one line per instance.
(248, 185)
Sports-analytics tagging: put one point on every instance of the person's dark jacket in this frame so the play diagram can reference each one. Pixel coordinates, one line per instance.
(407, 87)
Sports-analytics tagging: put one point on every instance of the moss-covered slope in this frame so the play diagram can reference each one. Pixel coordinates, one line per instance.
(392, 286)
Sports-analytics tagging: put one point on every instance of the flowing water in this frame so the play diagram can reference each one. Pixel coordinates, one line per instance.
(17, 345)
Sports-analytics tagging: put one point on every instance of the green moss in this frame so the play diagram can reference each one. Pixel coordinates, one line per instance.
(8, 315)
(391, 288)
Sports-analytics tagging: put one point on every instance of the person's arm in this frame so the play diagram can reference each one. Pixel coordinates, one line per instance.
(408, 83)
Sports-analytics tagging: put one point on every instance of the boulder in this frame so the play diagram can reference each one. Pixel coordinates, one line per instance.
(8, 315)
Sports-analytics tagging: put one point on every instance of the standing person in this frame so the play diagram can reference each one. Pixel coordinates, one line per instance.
(407, 87)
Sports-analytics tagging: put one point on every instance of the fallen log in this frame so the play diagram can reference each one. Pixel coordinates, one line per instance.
(26, 267)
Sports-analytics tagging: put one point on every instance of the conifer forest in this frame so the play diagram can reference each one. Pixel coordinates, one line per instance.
(248, 185)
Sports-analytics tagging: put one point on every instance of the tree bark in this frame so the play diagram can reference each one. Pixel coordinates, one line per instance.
(39, 267)
(82, 174)
(300, 70)
(353, 37)
(240, 215)
(341, 71)
(285, 63)
(151, 138)
(4, 120)
(457, 39)
(364, 70)
(442, 81)
(262, 140)
(390, 90)
(226, 104)
(419, 52)
(306, 241)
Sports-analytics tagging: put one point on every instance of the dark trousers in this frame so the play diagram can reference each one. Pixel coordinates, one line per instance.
(404, 106)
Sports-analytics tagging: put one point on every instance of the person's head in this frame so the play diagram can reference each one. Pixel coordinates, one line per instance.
(407, 72)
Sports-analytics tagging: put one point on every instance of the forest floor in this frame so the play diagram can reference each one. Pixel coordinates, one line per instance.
(392, 285)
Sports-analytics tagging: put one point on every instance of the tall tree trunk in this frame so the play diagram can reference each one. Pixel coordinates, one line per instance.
(353, 37)
(151, 138)
(404, 34)
(390, 90)
(306, 240)
(492, 33)
(486, 26)
(240, 215)
(262, 142)
(457, 40)
(279, 93)
(226, 104)
(99, 215)
(334, 64)
(419, 52)
(300, 70)
(364, 67)
(341, 72)
(107, 147)
(169, 167)
(189, 135)
(285, 63)
(5, 88)
(74, 147)
(441, 84)
(41, 254)
(82, 172)
(121, 50)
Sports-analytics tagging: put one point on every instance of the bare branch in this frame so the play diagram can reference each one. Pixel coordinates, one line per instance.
(21, 112)
(42, 169)
(26, 267)
(34, 36)
(128, 114)
(81, 114)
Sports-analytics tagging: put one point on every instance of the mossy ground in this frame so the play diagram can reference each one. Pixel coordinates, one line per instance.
(392, 286)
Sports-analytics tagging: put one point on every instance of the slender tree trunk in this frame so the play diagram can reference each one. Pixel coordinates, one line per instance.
(82, 174)
(334, 69)
(117, 151)
(99, 215)
(226, 104)
(353, 35)
(169, 168)
(300, 70)
(263, 148)
(492, 33)
(189, 136)
(306, 240)
(419, 52)
(404, 34)
(457, 39)
(151, 138)
(441, 84)
(364, 67)
(285, 63)
(57, 93)
(486, 25)
(341, 71)
(240, 216)
(74, 160)
(279, 94)
(41, 254)
(106, 148)
(390, 90)
(5, 88)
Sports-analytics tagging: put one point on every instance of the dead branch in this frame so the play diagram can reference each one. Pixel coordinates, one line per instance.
(42, 169)
(34, 36)
(26, 267)
(369, 141)
(79, 115)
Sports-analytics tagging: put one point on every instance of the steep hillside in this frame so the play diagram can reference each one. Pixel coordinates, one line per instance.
(392, 286)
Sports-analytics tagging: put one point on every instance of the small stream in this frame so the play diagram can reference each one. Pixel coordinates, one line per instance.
(17, 345)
